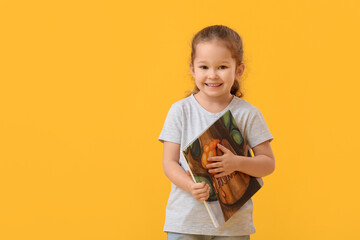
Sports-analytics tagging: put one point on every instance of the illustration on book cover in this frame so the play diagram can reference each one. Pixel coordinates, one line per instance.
(229, 193)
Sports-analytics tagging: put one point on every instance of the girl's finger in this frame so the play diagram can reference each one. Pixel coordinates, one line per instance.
(214, 165)
(199, 185)
(214, 159)
(222, 148)
(197, 192)
(200, 193)
(216, 170)
(197, 189)
(203, 197)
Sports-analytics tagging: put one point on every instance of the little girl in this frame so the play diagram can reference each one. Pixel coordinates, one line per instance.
(216, 64)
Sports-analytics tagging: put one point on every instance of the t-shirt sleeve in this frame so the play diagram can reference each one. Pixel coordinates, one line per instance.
(257, 130)
(171, 131)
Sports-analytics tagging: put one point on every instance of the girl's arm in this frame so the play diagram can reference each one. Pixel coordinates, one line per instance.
(262, 164)
(178, 176)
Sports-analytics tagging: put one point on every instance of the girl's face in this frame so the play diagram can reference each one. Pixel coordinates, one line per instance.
(214, 70)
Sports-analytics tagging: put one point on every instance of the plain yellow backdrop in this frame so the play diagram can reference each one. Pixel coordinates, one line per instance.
(86, 85)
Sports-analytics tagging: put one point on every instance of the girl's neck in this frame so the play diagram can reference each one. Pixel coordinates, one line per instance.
(213, 105)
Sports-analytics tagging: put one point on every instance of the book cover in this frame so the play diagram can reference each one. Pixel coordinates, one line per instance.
(229, 193)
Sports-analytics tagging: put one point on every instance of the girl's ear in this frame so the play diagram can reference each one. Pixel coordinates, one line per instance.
(240, 70)
(192, 70)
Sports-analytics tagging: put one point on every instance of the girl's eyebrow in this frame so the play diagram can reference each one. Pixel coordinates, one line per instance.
(201, 62)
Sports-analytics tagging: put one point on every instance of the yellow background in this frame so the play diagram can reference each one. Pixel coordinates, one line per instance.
(86, 86)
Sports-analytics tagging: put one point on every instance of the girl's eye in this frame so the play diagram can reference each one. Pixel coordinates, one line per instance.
(223, 67)
(203, 67)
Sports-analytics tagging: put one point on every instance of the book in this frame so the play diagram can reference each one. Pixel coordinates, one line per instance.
(229, 193)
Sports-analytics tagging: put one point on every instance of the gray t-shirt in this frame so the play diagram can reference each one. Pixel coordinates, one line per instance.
(185, 121)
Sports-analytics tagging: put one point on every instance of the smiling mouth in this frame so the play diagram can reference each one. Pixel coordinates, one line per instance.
(213, 85)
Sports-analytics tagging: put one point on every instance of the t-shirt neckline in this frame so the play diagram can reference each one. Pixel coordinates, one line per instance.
(210, 113)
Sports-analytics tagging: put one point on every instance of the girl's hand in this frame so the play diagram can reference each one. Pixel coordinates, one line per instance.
(222, 165)
(200, 191)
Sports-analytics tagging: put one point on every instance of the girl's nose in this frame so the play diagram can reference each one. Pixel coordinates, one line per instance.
(212, 73)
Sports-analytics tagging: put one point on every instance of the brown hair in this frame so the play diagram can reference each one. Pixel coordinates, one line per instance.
(232, 41)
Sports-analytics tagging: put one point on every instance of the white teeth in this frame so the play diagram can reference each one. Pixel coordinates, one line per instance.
(213, 85)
